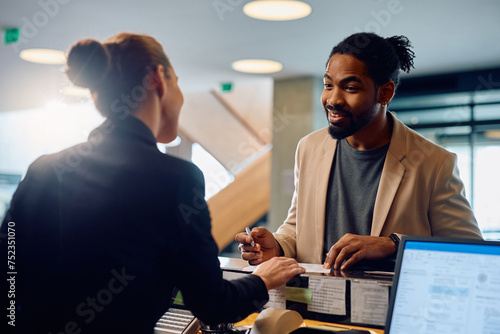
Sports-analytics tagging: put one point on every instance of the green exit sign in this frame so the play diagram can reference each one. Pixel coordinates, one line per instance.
(11, 35)
(226, 87)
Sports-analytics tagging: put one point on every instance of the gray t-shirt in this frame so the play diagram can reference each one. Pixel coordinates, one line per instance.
(352, 188)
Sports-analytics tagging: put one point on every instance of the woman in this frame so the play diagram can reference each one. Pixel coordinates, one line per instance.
(107, 228)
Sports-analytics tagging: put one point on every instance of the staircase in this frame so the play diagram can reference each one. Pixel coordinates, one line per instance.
(236, 129)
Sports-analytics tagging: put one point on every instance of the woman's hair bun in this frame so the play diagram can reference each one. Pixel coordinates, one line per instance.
(88, 63)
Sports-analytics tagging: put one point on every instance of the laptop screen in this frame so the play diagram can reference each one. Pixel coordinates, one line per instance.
(445, 286)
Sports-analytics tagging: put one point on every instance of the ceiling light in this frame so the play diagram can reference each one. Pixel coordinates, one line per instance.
(257, 66)
(279, 10)
(43, 56)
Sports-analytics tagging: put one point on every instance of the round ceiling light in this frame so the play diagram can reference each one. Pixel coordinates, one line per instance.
(279, 10)
(44, 56)
(257, 66)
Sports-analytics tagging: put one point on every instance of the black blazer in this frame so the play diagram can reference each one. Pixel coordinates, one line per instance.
(105, 230)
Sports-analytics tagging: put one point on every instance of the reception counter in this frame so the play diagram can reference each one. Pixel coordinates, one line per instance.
(357, 298)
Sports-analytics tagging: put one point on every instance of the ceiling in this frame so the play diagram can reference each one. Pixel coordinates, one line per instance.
(203, 37)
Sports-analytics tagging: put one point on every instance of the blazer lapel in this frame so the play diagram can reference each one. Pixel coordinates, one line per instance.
(390, 180)
(391, 177)
(322, 178)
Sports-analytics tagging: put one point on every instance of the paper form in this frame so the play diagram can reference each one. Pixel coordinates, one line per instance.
(328, 295)
(309, 267)
(369, 303)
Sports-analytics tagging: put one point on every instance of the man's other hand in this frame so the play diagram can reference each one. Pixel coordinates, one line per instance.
(351, 248)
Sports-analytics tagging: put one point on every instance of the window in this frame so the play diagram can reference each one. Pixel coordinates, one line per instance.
(216, 176)
(27, 134)
(467, 124)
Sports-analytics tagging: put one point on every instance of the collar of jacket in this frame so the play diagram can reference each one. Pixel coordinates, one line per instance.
(128, 126)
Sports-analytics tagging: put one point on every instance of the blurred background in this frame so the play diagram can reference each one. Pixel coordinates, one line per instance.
(241, 125)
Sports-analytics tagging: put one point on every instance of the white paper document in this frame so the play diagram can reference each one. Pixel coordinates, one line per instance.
(314, 268)
(309, 267)
(369, 302)
(328, 295)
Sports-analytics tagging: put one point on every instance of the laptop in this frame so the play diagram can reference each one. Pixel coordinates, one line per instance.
(445, 285)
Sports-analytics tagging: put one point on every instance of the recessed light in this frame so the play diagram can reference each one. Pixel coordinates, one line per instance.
(44, 56)
(257, 66)
(279, 10)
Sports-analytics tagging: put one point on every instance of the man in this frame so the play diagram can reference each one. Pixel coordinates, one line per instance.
(367, 178)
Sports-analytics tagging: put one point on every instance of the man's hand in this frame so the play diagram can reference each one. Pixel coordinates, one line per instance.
(266, 247)
(277, 271)
(352, 247)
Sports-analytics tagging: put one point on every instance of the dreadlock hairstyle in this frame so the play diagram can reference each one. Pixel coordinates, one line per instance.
(383, 57)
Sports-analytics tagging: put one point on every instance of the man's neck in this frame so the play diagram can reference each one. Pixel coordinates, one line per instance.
(374, 135)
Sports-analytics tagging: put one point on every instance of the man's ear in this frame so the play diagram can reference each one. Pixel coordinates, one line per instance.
(386, 92)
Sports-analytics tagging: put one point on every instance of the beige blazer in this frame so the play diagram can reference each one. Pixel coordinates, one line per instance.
(420, 193)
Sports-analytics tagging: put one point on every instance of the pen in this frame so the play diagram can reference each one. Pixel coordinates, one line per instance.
(248, 232)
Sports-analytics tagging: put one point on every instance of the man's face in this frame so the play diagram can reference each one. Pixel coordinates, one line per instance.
(349, 96)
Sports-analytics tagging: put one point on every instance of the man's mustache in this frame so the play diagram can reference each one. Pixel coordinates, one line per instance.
(337, 109)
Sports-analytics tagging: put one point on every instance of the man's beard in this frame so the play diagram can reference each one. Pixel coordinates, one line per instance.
(341, 132)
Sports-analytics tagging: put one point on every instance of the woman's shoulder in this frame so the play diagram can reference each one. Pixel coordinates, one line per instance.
(181, 167)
